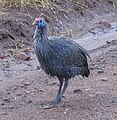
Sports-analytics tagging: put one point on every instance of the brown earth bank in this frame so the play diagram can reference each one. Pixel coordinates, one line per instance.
(26, 92)
(67, 18)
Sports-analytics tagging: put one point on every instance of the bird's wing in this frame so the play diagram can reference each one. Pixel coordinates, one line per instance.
(68, 51)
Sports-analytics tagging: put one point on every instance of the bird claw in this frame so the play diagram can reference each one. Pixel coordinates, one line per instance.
(58, 99)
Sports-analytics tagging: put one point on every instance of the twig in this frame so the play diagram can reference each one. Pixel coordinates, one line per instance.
(14, 43)
(54, 15)
(60, 8)
(82, 6)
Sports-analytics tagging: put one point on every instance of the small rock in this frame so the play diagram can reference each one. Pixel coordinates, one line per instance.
(103, 79)
(40, 90)
(26, 83)
(105, 23)
(100, 71)
(15, 88)
(110, 49)
(22, 86)
(2, 103)
(30, 101)
(19, 94)
(101, 57)
(7, 93)
(6, 100)
(65, 112)
(91, 95)
(114, 74)
(11, 107)
(27, 92)
(113, 42)
(108, 42)
(46, 81)
(4, 113)
(93, 64)
(14, 98)
(96, 110)
(113, 56)
(47, 107)
(87, 89)
(77, 91)
(66, 109)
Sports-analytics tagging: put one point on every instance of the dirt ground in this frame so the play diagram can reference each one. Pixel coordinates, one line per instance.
(26, 92)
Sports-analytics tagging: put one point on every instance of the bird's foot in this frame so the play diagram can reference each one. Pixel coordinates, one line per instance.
(51, 104)
(58, 98)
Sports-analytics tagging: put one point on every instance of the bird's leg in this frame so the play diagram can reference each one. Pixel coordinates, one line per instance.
(65, 86)
(59, 94)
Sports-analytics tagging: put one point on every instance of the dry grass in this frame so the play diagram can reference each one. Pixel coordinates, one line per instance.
(49, 5)
(16, 3)
(40, 3)
(43, 3)
(52, 7)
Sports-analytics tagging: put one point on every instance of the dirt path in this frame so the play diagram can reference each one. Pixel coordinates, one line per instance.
(27, 92)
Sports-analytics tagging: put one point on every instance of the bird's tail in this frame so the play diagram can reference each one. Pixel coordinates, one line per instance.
(86, 72)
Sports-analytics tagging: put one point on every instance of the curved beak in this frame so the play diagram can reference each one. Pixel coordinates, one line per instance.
(34, 23)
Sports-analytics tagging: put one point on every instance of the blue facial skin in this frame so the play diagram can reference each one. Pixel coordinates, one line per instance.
(41, 24)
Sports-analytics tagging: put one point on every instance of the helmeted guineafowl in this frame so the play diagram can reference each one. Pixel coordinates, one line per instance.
(59, 56)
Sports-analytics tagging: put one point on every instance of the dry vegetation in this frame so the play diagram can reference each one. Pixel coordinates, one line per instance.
(55, 11)
(52, 7)
(46, 3)
(39, 3)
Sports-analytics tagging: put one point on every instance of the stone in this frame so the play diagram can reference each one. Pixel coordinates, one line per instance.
(47, 107)
(19, 94)
(26, 83)
(2, 103)
(77, 91)
(100, 71)
(105, 23)
(103, 79)
(29, 101)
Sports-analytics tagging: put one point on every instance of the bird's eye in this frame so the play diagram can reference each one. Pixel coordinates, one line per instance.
(40, 20)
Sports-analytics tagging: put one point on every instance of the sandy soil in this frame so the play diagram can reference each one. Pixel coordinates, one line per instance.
(26, 92)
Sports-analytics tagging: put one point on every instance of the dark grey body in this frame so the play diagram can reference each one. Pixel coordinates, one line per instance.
(60, 56)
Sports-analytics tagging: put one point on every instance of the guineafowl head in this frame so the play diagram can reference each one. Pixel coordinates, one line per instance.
(40, 24)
